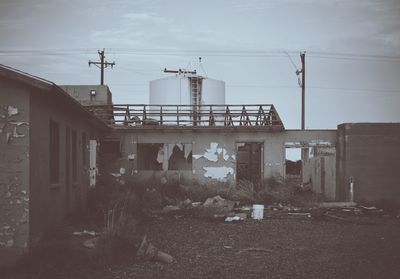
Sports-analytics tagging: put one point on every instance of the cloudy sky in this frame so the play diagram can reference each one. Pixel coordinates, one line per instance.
(352, 50)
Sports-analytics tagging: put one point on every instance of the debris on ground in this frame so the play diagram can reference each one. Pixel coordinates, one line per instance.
(91, 243)
(148, 252)
(237, 217)
(85, 232)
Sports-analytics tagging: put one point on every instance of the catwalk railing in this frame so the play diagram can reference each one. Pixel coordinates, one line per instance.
(188, 115)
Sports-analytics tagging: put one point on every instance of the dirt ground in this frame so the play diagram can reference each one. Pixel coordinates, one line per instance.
(284, 247)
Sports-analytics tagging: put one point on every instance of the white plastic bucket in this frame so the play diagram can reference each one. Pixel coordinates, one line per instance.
(258, 212)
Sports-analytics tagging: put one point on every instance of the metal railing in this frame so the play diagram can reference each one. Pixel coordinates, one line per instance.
(188, 115)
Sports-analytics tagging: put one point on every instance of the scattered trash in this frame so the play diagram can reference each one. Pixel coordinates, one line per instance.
(258, 212)
(299, 214)
(170, 208)
(237, 217)
(90, 243)
(148, 251)
(85, 232)
(217, 201)
(196, 204)
(337, 204)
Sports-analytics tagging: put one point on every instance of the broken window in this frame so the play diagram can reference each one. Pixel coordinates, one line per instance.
(74, 156)
(159, 156)
(150, 156)
(54, 152)
(180, 157)
(293, 161)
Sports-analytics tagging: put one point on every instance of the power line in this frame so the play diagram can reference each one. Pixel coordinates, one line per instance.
(217, 53)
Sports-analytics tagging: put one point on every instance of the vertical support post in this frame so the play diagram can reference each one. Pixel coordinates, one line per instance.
(351, 189)
(177, 115)
(92, 162)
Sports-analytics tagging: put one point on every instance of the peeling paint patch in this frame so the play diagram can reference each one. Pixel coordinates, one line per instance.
(131, 157)
(233, 157)
(11, 110)
(218, 173)
(211, 154)
(225, 155)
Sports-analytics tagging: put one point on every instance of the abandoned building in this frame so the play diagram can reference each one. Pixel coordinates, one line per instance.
(51, 138)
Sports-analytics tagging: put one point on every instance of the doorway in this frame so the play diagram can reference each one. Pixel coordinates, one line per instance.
(249, 161)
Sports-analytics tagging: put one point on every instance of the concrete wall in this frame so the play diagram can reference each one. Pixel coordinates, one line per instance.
(50, 203)
(370, 153)
(214, 151)
(14, 170)
(321, 172)
(82, 94)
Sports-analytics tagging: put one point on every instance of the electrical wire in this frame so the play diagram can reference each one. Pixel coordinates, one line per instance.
(217, 53)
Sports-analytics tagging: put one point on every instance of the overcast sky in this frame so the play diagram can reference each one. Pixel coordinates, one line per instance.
(352, 50)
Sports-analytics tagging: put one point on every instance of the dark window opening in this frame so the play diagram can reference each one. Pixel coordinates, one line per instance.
(150, 156)
(54, 152)
(74, 157)
(177, 160)
(293, 162)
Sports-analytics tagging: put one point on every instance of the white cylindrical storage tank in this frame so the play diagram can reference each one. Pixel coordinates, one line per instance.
(180, 89)
(169, 92)
(213, 93)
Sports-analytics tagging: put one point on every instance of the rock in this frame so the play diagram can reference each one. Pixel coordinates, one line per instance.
(148, 251)
(90, 243)
(219, 202)
(169, 208)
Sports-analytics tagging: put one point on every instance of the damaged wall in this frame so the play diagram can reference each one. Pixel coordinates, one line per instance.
(370, 154)
(320, 172)
(213, 152)
(14, 171)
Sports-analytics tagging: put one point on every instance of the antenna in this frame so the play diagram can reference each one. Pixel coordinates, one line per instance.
(201, 66)
(179, 71)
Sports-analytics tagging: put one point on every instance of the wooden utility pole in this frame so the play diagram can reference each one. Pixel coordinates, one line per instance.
(303, 88)
(103, 64)
(304, 151)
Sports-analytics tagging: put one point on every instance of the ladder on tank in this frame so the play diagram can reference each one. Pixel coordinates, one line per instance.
(195, 88)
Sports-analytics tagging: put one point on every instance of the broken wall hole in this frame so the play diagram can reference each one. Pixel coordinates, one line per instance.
(164, 156)
(293, 162)
(249, 161)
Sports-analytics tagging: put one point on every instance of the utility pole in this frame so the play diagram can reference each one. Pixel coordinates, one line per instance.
(303, 89)
(304, 151)
(103, 64)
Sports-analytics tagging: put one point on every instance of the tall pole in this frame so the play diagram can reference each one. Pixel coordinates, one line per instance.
(303, 88)
(101, 54)
(103, 64)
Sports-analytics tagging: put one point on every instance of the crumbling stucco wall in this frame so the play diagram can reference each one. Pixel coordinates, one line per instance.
(213, 152)
(14, 171)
